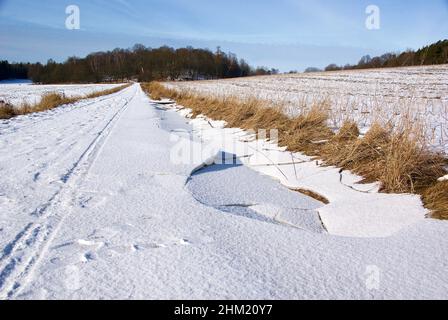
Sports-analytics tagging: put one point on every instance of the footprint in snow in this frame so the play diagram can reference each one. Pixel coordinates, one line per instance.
(84, 202)
(88, 257)
(56, 260)
(87, 243)
(124, 249)
(185, 242)
(92, 201)
(153, 245)
(133, 248)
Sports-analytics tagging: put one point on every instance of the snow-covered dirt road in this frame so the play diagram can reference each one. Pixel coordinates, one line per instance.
(91, 206)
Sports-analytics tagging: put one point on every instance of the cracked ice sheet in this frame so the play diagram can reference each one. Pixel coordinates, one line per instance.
(355, 210)
(259, 197)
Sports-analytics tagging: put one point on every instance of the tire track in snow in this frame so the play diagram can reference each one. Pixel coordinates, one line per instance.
(23, 253)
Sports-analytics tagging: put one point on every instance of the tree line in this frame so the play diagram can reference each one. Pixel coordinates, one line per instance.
(13, 71)
(141, 64)
(436, 53)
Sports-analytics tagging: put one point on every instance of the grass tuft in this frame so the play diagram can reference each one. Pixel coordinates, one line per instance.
(435, 198)
(394, 158)
(307, 132)
(6, 110)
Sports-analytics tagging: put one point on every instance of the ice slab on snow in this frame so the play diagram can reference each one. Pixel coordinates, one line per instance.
(259, 197)
(355, 210)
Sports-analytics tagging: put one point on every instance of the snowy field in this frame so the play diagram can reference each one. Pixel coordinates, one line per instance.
(20, 93)
(94, 203)
(414, 94)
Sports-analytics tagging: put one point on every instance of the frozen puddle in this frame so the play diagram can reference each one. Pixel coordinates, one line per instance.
(239, 190)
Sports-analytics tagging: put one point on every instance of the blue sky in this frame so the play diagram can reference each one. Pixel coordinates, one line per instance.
(285, 34)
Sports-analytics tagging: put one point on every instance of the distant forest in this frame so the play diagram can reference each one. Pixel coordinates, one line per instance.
(13, 71)
(146, 64)
(436, 53)
(139, 63)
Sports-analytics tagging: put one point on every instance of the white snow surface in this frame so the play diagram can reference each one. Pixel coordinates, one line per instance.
(18, 94)
(93, 207)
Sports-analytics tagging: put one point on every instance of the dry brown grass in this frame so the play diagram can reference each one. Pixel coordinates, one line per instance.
(156, 91)
(50, 101)
(106, 92)
(308, 132)
(299, 134)
(336, 151)
(435, 198)
(395, 157)
(6, 110)
(313, 195)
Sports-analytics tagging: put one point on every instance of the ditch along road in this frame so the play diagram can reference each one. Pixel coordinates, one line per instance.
(91, 207)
